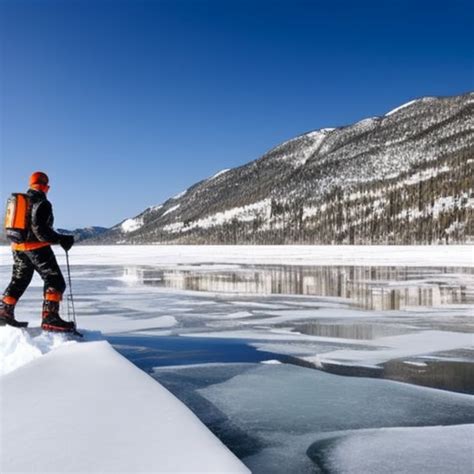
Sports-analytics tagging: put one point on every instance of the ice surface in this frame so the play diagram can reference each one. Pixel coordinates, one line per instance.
(85, 408)
(272, 413)
(118, 324)
(323, 311)
(434, 450)
(296, 400)
(396, 347)
(260, 334)
(321, 329)
(268, 413)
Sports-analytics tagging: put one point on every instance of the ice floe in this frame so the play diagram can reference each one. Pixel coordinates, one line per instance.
(277, 416)
(433, 449)
(395, 347)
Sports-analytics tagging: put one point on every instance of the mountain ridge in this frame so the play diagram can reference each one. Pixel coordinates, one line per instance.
(360, 183)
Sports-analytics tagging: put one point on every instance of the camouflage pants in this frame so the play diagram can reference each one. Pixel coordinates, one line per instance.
(25, 263)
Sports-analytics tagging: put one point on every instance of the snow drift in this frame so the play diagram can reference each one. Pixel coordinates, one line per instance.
(18, 347)
(84, 408)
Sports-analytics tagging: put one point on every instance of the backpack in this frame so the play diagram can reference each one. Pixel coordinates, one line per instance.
(16, 218)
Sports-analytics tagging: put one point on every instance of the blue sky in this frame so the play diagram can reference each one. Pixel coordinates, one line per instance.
(126, 103)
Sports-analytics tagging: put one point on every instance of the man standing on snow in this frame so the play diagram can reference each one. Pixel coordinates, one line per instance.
(35, 254)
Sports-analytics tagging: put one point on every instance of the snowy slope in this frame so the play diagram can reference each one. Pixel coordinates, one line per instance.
(355, 184)
(85, 408)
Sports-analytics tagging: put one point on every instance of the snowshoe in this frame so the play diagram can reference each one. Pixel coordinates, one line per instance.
(7, 316)
(53, 322)
(66, 327)
(5, 321)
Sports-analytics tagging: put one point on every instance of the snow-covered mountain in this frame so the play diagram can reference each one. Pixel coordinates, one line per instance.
(404, 178)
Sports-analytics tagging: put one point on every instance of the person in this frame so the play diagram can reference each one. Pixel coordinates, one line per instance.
(35, 253)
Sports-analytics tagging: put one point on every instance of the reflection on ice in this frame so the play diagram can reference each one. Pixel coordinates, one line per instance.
(361, 330)
(375, 288)
(448, 375)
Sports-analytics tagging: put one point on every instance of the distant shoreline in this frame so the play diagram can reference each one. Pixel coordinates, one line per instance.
(303, 255)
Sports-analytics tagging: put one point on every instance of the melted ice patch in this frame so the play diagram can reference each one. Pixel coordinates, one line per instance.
(18, 347)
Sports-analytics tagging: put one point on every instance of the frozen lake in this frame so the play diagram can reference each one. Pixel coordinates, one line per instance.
(239, 343)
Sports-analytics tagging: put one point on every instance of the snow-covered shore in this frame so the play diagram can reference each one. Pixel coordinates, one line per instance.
(82, 407)
(392, 255)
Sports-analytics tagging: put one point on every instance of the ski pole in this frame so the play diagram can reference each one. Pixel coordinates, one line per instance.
(70, 289)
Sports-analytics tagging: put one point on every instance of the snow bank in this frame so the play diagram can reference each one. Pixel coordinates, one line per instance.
(434, 450)
(85, 408)
(19, 347)
(164, 255)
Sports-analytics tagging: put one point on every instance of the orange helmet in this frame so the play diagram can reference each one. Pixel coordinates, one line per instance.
(39, 180)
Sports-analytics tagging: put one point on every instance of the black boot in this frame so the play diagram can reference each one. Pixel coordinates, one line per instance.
(51, 319)
(7, 316)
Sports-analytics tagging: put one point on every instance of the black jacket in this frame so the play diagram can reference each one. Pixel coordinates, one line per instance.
(41, 219)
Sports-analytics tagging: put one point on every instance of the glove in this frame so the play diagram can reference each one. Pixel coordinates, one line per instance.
(66, 241)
